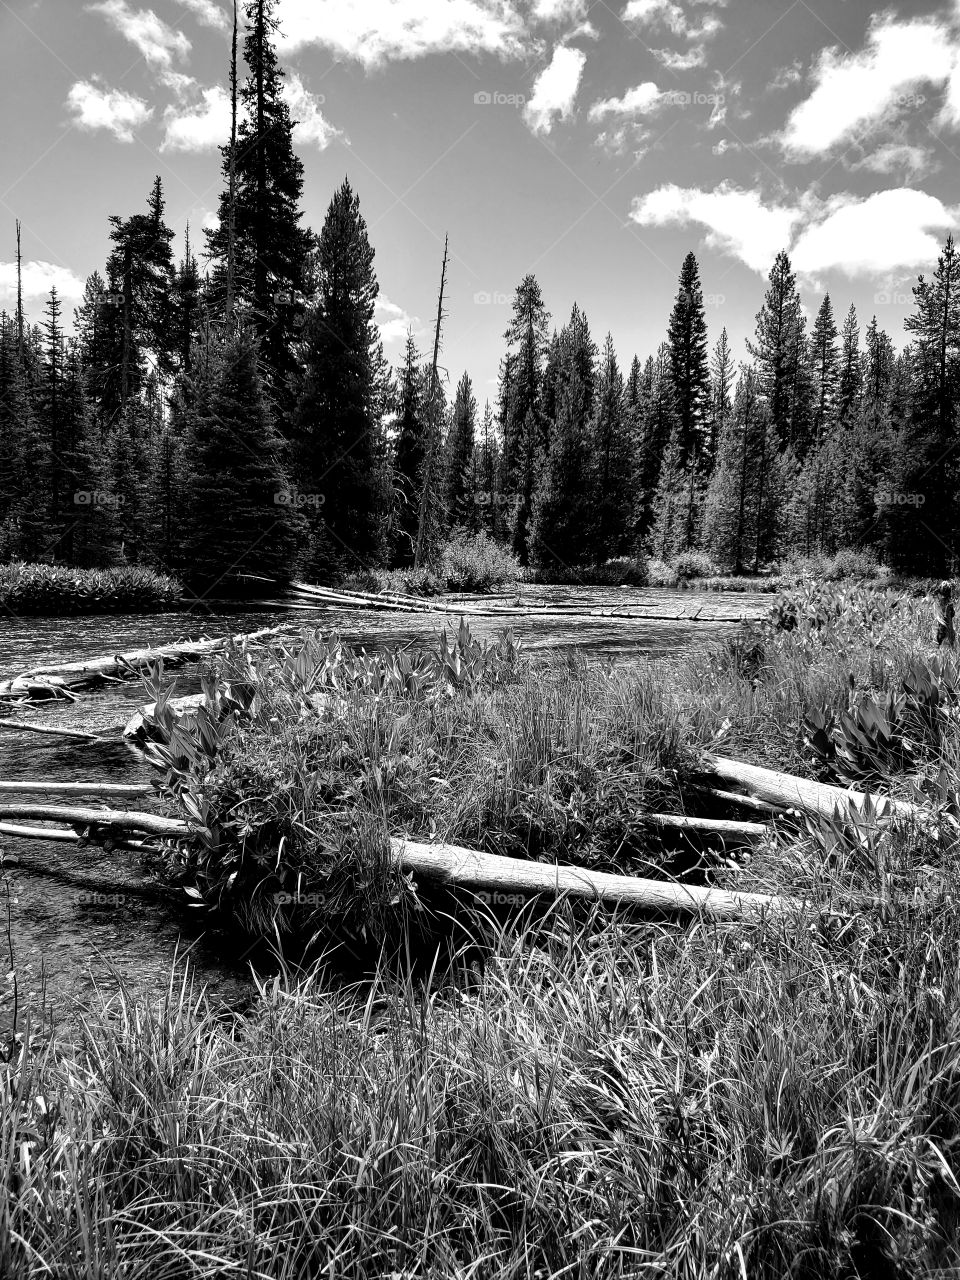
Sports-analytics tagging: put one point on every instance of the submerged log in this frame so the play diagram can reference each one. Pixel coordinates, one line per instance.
(510, 880)
(20, 726)
(93, 670)
(817, 798)
(18, 787)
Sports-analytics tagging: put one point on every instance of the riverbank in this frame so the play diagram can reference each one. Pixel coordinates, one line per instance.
(47, 589)
(573, 1090)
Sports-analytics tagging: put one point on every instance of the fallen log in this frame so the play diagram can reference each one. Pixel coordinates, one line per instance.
(77, 788)
(721, 827)
(735, 797)
(509, 879)
(117, 819)
(50, 729)
(817, 798)
(91, 670)
(61, 835)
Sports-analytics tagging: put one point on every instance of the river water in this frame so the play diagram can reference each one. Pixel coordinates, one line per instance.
(76, 920)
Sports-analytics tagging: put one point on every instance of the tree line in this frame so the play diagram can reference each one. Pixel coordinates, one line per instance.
(240, 417)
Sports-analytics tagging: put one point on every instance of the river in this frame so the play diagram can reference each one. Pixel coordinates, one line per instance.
(77, 920)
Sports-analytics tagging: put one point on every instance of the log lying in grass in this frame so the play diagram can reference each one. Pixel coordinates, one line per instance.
(734, 797)
(116, 819)
(18, 726)
(816, 798)
(720, 827)
(491, 874)
(88, 671)
(18, 787)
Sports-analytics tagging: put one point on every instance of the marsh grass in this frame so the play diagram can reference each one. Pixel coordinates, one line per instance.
(48, 588)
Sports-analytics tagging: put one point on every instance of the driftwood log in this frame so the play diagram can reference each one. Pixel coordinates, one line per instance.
(815, 798)
(61, 836)
(507, 880)
(721, 827)
(18, 726)
(116, 819)
(17, 787)
(735, 797)
(87, 671)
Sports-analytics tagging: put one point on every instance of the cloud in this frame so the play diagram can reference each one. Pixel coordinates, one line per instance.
(784, 77)
(396, 322)
(159, 44)
(559, 10)
(894, 157)
(739, 223)
(200, 128)
(888, 231)
(95, 106)
(555, 89)
(38, 279)
(643, 99)
(694, 57)
(377, 31)
(878, 235)
(207, 12)
(665, 13)
(305, 109)
(854, 92)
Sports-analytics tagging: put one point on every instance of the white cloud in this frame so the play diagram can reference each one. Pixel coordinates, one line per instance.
(38, 279)
(656, 12)
(555, 89)
(305, 109)
(200, 128)
(784, 77)
(694, 57)
(853, 92)
(395, 322)
(377, 31)
(736, 222)
(878, 235)
(158, 43)
(886, 232)
(559, 10)
(900, 157)
(207, 12)
(643, 99)
(96, 107)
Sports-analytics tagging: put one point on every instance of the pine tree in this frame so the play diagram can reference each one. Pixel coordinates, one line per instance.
(242, 516)
(521, 400)
(721, 388)
(338, 412)
(851, 374)
(921, 513)
(689, 366)
(186, 306)
(458, 497)
(825, 366)
(730, 512)
(271, 248)
(780, 354)
(670, 503)
(562, 517)
(657, 427)
(408, 455)
(614, 461)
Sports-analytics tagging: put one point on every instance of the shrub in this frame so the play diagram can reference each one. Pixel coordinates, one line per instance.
(52, 588)
(474, 562)
(622, 571)
(851, 562)
(694, 564)
(661, 574)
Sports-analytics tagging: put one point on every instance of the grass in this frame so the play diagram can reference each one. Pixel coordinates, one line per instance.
(567, 1094)
(35, 589)
(467, 562)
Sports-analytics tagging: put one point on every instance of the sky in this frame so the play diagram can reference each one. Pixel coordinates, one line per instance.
(593, 144)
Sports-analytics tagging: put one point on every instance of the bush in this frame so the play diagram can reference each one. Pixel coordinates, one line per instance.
(851, 562)
(52, 588)
(694, 564)
(623, 571)
(474, 562)
(661, 574)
